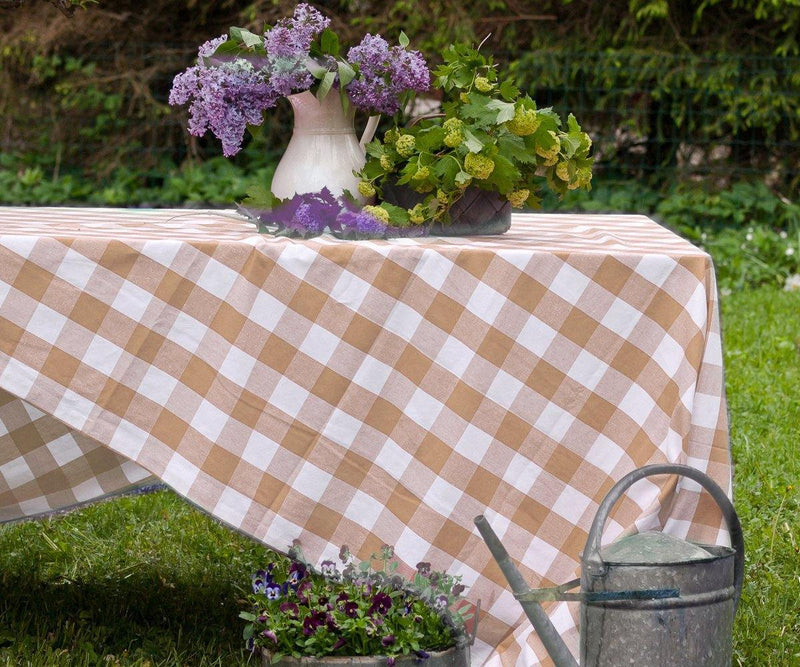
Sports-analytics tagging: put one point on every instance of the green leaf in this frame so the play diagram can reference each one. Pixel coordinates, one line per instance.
(374, 148)
(505, 110)
(569, 144)
(430, 138)
(446, 170)
(317, 70)
(329, 42)
(471, 142)
(478, 109)
(462, 177)
(326, 84)
(397, 214)
(403, 39)
(346, 73)
(508, 90)
(226, 48)
(505, 175)
(246, 37)
(247, 616)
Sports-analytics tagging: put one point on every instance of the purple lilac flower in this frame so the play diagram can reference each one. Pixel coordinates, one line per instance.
(350, 609)
(388, 640)
(422, 655)
(208, 48)
(225, 98)
(458, 589)
(295, 34)
(344, 553)
(339, 643)
(307, 213)
(287, 46)
(270, 634)
(384, 74)
(424, 568)
(361, 223)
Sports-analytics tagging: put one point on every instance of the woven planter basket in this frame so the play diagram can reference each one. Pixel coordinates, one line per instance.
(477, 212)
(458, 656)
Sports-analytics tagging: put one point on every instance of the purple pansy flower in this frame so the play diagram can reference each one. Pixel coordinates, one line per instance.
(328, 568)
(381, 603)
(290, 609)
(350, 609)
(440, 602)
(273, 591)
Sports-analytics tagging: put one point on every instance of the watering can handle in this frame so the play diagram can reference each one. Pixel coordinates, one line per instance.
(593, 561)
(369, 131)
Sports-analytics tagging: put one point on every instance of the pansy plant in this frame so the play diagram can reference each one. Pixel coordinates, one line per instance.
(353, 609)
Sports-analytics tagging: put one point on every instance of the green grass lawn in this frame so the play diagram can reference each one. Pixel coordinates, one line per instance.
(149, 580)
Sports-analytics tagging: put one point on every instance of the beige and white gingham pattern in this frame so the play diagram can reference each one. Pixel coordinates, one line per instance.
(367, 392)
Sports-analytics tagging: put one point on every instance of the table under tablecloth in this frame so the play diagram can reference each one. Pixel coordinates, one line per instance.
(367, 393)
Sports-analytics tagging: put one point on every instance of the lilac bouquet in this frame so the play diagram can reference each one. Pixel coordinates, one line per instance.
(239, 76)
(356, 611)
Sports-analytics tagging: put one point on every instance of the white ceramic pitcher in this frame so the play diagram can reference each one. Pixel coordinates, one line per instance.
(323, 150)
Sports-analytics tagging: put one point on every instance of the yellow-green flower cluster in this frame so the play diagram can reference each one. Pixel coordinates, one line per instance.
(366, 189)
(378, 213)
(483, 84)
(518, 197)
(454, 132)
(550, 154)
(479, 166)
(417, 214)
(386, 162)
(525, 122)
(405, 145)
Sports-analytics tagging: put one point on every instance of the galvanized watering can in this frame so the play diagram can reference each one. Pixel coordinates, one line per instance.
(647, 599)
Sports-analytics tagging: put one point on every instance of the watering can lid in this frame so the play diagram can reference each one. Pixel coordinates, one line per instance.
(652, 547)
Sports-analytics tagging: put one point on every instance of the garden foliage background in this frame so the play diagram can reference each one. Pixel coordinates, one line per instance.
(694, 107)
(669, 90)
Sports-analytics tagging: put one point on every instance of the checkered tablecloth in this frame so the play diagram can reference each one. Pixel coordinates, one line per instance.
(368, 392)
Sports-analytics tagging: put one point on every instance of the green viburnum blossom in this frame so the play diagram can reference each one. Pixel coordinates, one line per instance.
(405, 145)
(518, 197)
(483, 84)
(417, 214)
(524, 122)
(366, 189)
(478, 166)
(386, 162)
(421, 174)
(377, 212)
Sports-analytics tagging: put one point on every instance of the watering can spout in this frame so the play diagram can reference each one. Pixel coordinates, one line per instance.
(552, 641)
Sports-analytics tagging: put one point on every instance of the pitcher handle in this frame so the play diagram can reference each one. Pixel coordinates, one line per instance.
(369, 131)
(593, 561)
